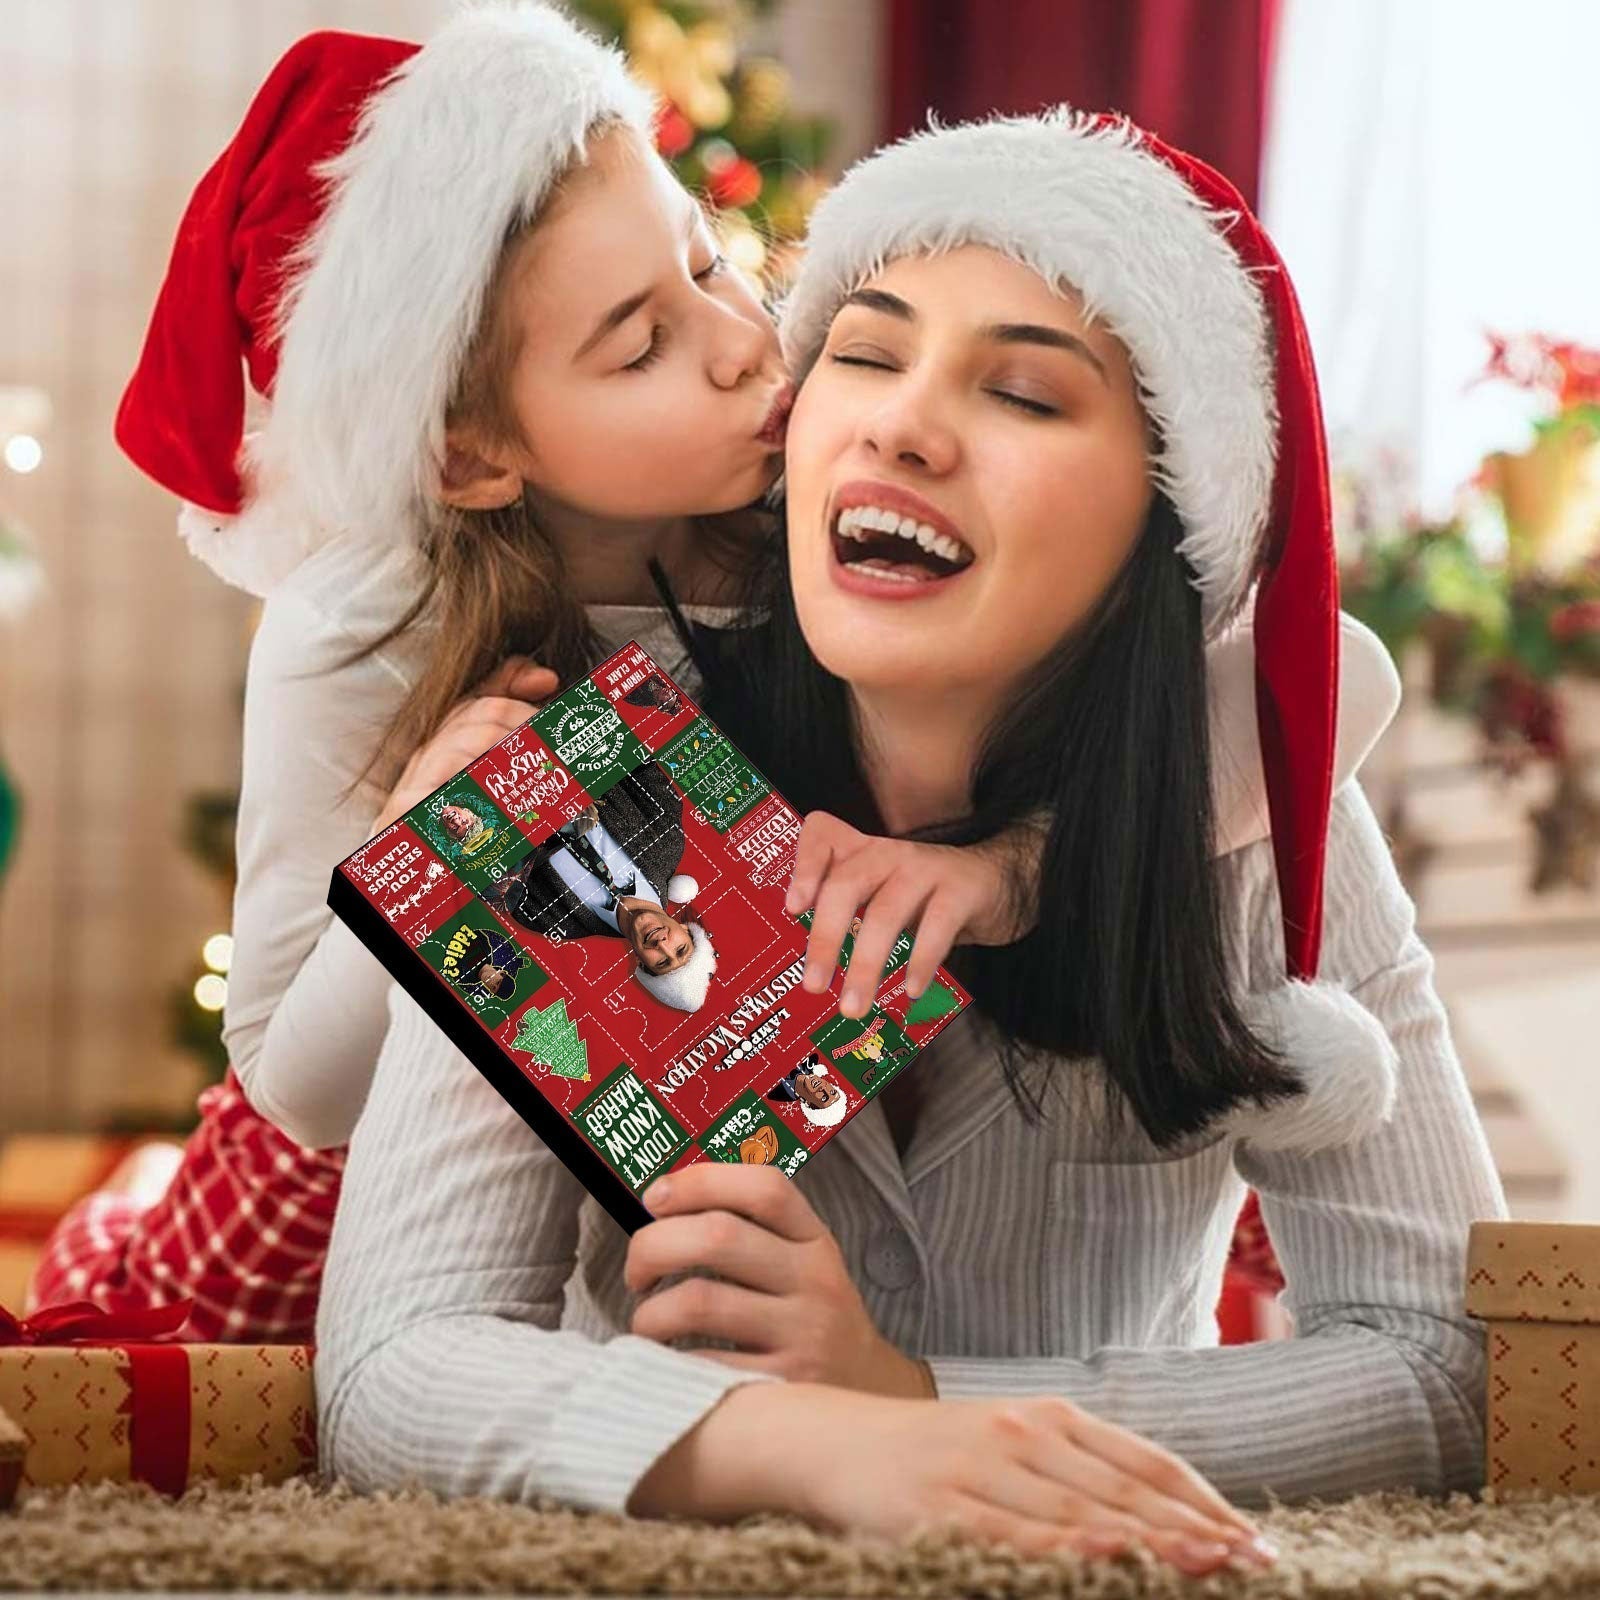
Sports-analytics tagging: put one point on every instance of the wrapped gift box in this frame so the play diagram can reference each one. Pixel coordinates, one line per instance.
(1537, 1287)
(105, 1407)
(13, 1447)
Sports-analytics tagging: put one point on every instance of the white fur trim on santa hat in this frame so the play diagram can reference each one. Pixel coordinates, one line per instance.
(1091, 209)
(458, 147)
(685, 989)
(253, 551)
(681, 888)
(1340, 1052)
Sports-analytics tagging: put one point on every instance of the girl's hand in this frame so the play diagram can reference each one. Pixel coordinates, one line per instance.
(947, 894)
(1037, 1473)
(786, 1295)
(500, 703)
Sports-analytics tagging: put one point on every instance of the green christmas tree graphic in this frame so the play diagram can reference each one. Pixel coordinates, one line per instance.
(934, 1002)
(551, 1038)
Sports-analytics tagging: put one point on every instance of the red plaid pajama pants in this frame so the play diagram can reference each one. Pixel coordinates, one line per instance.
(242, 1231)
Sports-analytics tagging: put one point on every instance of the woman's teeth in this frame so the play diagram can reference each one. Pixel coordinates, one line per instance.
(862, 523)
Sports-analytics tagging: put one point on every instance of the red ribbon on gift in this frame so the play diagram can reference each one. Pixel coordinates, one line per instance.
(158, 1399)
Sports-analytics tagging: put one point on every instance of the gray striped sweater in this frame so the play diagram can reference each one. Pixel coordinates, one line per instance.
(472, 1327)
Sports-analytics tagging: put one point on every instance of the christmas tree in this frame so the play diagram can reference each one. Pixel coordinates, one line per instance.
(197, 1002)
(724, 122)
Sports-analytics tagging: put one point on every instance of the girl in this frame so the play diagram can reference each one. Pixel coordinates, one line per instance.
(412, 564)
(1094, 469)
(399, 192)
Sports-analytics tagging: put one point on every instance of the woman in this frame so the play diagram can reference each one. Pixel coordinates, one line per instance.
(1042, 1281)
(1082, 371)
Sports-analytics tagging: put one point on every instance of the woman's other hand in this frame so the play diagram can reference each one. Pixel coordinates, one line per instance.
(1037, 1474)
(499, 704)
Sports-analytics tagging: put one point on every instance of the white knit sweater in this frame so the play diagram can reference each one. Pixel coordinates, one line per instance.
(306, 1003)
(472, 1326)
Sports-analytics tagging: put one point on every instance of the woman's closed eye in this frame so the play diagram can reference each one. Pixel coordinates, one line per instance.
(1033, 408)
(658, 334)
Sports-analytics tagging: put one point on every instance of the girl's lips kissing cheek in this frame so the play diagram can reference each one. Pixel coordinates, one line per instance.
(777, 423)
(888, 544)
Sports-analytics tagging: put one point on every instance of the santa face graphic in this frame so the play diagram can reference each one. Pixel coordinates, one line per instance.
(816, 1091)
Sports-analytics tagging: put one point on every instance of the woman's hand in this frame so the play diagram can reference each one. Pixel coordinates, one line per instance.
(500, 703)
(1036, 1473)
(786, 1295)
(946, 894)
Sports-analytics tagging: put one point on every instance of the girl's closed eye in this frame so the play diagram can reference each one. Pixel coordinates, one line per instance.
(658, 334)
(1020, 402)
(651, 353)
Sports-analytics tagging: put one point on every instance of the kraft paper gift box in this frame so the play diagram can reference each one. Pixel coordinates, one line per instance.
(1536, 1285)
(104, 1397)
(13, 1447)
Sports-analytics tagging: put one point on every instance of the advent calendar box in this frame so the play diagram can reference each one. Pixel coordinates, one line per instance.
(593, 912)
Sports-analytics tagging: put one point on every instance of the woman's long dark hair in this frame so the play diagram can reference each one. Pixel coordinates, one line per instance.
(1110, 741)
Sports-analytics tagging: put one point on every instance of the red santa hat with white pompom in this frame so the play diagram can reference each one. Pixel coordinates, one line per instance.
(1165, 253)
(336, 255)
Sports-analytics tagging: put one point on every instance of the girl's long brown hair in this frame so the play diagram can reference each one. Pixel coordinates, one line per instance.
(494, 582)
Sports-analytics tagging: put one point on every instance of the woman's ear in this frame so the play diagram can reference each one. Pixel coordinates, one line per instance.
(472, 480)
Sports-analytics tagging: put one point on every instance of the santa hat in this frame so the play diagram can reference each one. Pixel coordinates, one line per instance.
(338, 253)
(1165, 253)
(685, 989)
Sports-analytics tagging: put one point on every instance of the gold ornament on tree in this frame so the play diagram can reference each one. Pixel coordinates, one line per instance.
(763, 97)
(687, 65)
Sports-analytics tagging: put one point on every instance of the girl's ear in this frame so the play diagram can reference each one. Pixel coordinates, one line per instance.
(473, 481)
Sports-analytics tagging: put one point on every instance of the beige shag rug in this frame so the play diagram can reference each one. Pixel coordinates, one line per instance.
(309, 1537)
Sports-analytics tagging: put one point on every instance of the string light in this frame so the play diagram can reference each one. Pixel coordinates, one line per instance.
(217, 952)
(211, 992)
(23, 452)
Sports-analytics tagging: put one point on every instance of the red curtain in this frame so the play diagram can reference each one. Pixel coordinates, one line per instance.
(1192, 71)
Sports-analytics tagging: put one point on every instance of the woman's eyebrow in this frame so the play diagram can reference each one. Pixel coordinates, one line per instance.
(891, 305)
(623, 309)
(1053, 338)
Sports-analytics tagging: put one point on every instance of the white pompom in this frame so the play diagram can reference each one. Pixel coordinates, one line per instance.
(681, 888)
(253, 551)
(1338, 1049)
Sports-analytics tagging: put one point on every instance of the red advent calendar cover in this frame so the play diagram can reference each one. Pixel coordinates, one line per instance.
(593, 912)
